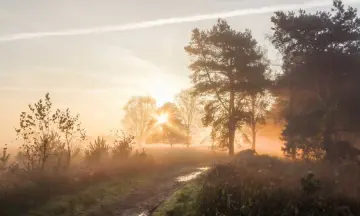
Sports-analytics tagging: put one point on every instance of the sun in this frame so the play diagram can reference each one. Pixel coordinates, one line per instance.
(163, 88)
(162, 118)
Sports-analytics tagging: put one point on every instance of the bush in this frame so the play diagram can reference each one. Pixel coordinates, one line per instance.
(264, 186)
(123, 145)
(97, 151)
(142, 154)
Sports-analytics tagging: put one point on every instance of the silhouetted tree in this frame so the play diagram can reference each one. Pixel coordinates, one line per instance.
(139, 112)
(188, 105)
(227, 66)
(322, 68)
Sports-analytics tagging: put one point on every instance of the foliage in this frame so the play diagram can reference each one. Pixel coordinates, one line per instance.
(46, 134)
(259, 185)
(97, 151)
(173, 130)
(188, 105)
(321, 72)
(138, 115)
(123, 145)
(227, 66)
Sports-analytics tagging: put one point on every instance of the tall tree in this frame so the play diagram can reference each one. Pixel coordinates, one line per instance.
(227, 66)
(321, 64)
(188, 105)
(139, 112)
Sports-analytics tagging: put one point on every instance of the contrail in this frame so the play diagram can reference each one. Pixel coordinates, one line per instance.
(161, 22)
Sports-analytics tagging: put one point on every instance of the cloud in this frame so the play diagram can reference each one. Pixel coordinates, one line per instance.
(167, 21)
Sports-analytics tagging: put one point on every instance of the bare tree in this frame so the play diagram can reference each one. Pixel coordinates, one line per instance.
(139, 113)
(188, 105)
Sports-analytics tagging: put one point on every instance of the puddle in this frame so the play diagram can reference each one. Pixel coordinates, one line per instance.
(191, 176)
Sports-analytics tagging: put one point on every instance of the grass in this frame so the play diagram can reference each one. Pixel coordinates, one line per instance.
(94, 197)
(101, 198)
(96, 189)
(66, 193)
(268, 186)
(181, 203)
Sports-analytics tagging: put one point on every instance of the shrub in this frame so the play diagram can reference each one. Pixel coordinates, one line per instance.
(97, 151)
(123, 145)
(142, 154)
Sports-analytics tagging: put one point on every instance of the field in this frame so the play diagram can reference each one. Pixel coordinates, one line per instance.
(129, 187)
(173, 181)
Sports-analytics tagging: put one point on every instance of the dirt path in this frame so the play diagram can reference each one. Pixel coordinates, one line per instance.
(144, 200)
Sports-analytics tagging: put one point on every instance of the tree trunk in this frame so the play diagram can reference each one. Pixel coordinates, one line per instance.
(231, 138)
(253, 146)
(291, 114)
(232, 124)
(329, 144)
(68, 161)
(253, 122)
(188, 137)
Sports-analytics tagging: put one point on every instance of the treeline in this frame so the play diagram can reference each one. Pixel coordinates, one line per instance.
(320, 83)
(316, 94)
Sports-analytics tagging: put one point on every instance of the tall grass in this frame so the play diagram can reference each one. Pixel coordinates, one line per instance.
(266, 186)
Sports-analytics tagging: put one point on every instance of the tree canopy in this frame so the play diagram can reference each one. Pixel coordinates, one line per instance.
(189, 110)
(139, 111)
(321, 63)
(227, 66)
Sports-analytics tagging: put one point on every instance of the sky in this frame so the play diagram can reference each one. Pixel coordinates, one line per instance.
(95, 74)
